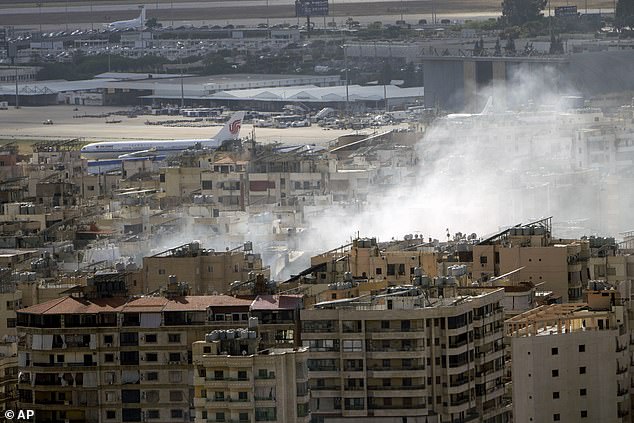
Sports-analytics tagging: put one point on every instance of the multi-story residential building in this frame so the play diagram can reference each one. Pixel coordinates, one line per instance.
(8, 376)
(367, 259)
(421, 354)
(560, 264)
(571, 362)
(237, 381)
(102, 359)
(10, 301)
(206, 271)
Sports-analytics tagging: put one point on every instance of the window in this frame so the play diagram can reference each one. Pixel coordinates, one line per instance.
(582, 370)
(243, 417)
(207, 184)
(385, 324)
(556, 417)
(176, 396)
(483, 259)
(108, 358)
(555, 395)
(108, 339)
(242, 375)
(111, 414)
(387, 382)
(391, 269)
(355, 345)
(582, 348)
(131, 415)
(554, 351)
(153, 414)
(583, 392)
(174, 357)
(242, 396)
(151, 356)
(555, 373)
(151, 376)
(378, 271)
(174, 337)
(150, 338)
(129, 339)
(175, 376)
(584, 414)
(129, 357)
(219, 374)
(11, 322)
(176, 414)
(220, 417)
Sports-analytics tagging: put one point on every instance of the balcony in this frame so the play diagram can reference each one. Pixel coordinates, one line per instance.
(396, 391)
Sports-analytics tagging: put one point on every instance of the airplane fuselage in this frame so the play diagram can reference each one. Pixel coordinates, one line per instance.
(112, 150)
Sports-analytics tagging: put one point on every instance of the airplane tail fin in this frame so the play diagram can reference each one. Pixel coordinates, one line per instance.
(142, 16)
(488, 107)
(231, 130)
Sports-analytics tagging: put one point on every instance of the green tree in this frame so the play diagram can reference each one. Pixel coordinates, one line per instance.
(519, 12)
(624, 14)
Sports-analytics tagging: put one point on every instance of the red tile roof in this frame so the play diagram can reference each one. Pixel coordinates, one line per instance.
(73, 305)
(276, 302)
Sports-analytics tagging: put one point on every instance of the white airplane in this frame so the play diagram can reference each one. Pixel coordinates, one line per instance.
(129, 149)
(485, 111)
(137, 23)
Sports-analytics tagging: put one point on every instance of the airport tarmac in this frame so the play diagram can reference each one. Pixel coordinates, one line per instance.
(25, 126)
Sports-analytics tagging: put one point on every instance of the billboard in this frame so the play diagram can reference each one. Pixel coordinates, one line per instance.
(566, 11)
(311, 8)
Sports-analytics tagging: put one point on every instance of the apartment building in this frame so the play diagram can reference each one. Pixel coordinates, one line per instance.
(366, 258)
(560, 264)
(8, 376)
(206, 271)
(421, 354)
(235, 380)
(101, 359)
(10, 301)
(571, 362)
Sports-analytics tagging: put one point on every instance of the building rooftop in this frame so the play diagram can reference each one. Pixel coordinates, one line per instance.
(557, 319)
(74, 305)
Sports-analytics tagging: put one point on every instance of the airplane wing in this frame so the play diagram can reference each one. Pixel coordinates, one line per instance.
(140, 153)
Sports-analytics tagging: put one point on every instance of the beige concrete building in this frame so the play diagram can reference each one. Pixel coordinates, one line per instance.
(365, 258)
(571, 362)
(10, 301)
(410, 354)
(8, 376)
(95, 359)
(236, 381)
(561, 264)
(206, 271)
